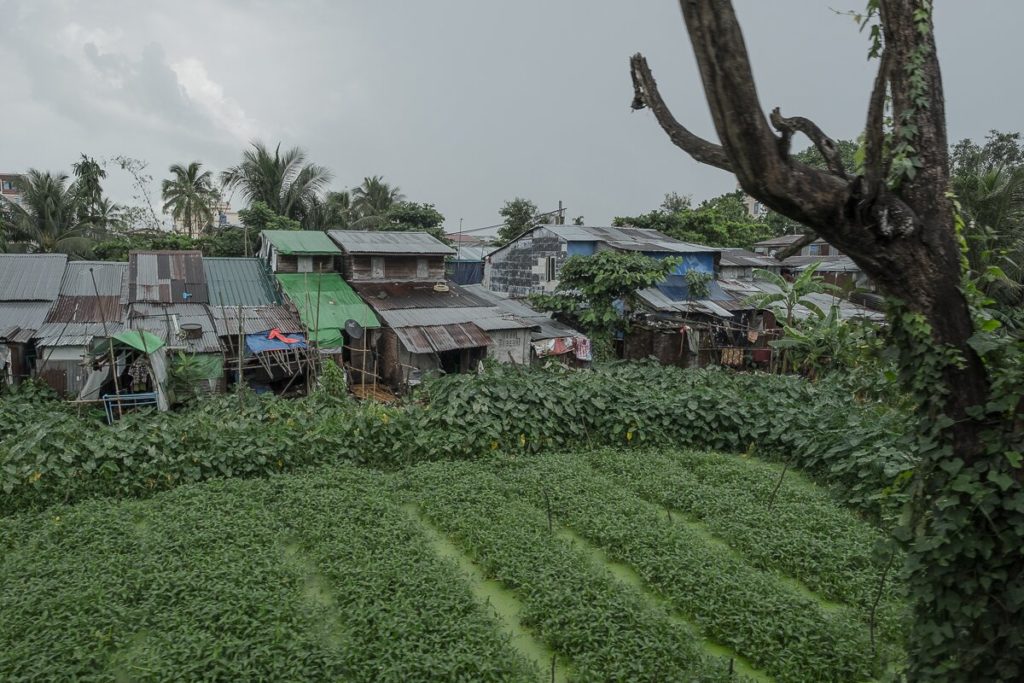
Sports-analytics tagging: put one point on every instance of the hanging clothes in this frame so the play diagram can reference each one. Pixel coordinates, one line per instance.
(693, 339)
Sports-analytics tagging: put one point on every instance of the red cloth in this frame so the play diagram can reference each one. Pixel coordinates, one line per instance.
(761, 355)
(276, 334)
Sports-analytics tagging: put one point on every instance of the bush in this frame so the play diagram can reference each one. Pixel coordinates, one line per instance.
(51, 454)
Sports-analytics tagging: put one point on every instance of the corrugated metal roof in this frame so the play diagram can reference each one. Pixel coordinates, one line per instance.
(168, 277)
(747, 259)
(743, 289)
(20, 319)
(239, 282)
(545, 327)
(165, 321)
(336, 304)
(659, 300)
(74, 334)
(784, 240)
(437, 338)
(384, 296)
(843, 264)
(389, 242)
(254, 319)
(86, 309)
(309, 242)
(78, 280)
(30, 277)
(471, 252)
(484, 317)
(628, 239)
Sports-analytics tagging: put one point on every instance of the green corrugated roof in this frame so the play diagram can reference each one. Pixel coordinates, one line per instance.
(301, 241)
(239, 282)
(338, 304)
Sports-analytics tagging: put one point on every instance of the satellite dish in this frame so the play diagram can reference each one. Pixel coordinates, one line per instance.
(354, 329)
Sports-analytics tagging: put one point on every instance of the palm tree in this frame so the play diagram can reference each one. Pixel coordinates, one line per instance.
(190, 197)
(374, 197)
(49, 217)
(285, 182)
(792, 294)
(332, 213)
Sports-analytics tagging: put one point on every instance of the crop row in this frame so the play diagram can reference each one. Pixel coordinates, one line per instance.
(604, 629)
(313, 577)
(779, 629)
(779, 522)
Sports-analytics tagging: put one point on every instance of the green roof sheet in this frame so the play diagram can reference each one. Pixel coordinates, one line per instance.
(143, 341)
(239, 282)
(301, 242)
(338, 303)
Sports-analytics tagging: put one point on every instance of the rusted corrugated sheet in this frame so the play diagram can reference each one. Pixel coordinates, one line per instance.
(384, 296)
(74, 334)
(85, 309)
(437, 338)
(168, 277)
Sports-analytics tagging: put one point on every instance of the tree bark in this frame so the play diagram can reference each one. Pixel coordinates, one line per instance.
(902, 234)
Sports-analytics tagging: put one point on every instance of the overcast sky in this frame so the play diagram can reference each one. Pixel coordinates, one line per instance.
(463, 103)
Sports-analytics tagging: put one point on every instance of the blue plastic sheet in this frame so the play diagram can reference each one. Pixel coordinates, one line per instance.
(258, 343)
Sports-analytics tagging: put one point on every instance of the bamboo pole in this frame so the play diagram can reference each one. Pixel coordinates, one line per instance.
(110, 344)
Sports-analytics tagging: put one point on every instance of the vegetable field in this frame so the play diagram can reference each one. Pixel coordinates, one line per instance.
(592, 565)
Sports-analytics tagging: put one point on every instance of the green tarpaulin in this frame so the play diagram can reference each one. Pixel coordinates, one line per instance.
(325, 303)
(143, 341)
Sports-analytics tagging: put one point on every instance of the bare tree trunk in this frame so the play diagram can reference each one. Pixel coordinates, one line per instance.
(902, 234)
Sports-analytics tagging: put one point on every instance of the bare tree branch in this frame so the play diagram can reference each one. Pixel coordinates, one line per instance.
(645, 94)
(824, 144)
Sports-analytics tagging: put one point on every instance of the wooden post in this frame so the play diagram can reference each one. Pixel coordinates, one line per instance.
(110, 344)
(241, 345)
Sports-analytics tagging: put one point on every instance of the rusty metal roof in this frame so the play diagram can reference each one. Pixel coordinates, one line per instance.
(30, 277)
(86, 309)
(437, 338)
(167, 277)
(743, 258)
(385, 296)
(484, 317)
(254, 319)
(389, 242)
(166, 320)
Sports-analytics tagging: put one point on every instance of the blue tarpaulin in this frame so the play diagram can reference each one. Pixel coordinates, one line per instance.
(258, 343)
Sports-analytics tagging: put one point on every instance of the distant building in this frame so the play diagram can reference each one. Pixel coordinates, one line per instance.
(818, 247)
(9, 187)
(739, 264)
(223, 216)
(754, 207)
(533, 261)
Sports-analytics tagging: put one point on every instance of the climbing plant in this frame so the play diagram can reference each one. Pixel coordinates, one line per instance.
(964, 525)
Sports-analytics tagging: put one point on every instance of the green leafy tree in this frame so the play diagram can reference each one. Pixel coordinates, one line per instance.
(964, 527)
(374, 197)
(49, 219)
(520, 215)
(592, 288)
(718, 222)
(988, 181)
(792, 294)
(259, 217)
(190, 196)
(117, 248)
(88, 187)
(285, 182)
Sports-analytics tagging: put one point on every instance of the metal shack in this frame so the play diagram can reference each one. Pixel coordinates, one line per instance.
(251, 322)
(88, 308)
(432, 325)
(29, 285)
(166, 294)
(298, 251)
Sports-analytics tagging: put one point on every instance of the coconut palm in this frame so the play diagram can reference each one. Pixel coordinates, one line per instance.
(374, 197)
(48, 220)
(284, 181)
(331, 213)
(190, 197)
(791, 294)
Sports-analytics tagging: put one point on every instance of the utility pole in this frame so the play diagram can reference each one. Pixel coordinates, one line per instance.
(561, 213)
